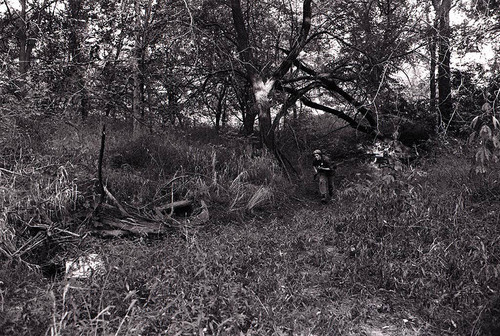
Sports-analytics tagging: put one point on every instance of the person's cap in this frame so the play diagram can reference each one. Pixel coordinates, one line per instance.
(317, 151)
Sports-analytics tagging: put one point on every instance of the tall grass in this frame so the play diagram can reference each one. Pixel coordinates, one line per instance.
(399, 256)
(44, 186)
(412, 252)
(49, 186)
(155, 169)
(425, 237)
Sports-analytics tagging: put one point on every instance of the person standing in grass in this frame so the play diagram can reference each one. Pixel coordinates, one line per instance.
(323, 170)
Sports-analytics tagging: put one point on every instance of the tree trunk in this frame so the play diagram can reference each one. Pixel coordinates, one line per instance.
(261, 90)
(136, 68)
(77, 24)
(25, 41)
(262, 87)
(220, 108)
(248, 121)
(432, 73)
(246, 57)
(248, 112)
(26, 45)
(444, 75)
(24, 59)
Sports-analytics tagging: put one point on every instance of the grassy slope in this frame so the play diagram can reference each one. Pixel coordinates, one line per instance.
(417, 255)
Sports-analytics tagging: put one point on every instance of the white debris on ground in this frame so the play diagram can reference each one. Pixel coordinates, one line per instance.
(390, 153)
(85, 266)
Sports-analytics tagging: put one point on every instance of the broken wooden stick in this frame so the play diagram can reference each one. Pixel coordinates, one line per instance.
(112, 198)
(170, 207)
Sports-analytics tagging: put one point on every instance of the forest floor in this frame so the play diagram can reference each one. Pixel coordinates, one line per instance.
(408, 252)
(286, 273)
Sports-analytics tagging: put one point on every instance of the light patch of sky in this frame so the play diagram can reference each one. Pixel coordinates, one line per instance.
(413, 75)
(484, 54)
(16, 5)
(11, 5)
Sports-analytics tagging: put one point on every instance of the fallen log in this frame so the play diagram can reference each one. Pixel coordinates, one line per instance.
(115, 221)
(172, 207)
(136, 226)
(123, 212)
(113, 233)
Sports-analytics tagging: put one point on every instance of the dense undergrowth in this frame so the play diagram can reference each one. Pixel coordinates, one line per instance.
(407, 252)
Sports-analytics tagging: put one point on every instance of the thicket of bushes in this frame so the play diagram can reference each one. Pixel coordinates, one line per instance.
(419, 244)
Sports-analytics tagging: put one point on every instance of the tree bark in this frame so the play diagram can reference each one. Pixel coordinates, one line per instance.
(246, 57)
(249, 121)
(137, 97)
(220, 113)
(247, 109)
(445, 107)
(262, 89)
(77, 24)
(432, 72)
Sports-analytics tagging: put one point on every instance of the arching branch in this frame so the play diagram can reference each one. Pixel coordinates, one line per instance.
(332, 86)
(341, 115)
(300, 95)
(292, 99)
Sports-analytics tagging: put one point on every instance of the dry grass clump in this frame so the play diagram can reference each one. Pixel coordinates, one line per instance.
(37, 193)
(43, 193)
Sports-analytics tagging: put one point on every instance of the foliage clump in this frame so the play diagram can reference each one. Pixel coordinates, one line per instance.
(485, 138)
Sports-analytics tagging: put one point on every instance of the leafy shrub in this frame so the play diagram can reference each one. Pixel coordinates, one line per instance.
(485, 136)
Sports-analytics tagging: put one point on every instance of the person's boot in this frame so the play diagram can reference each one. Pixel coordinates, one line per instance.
(323, 199)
